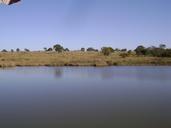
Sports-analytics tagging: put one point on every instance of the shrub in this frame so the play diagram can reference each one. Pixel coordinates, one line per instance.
(45, 49)
(92, 50)
(124, 55)
(107, 50)
(83, 49)
(18, 50)
(123, 50)
(26, 50)
(160, 51)
(58, 48)
(66, 50)
(50, 49)
(4, 50)
(140, 50)
(129, 52)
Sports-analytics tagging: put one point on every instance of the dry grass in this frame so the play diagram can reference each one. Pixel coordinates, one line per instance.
(75, 59)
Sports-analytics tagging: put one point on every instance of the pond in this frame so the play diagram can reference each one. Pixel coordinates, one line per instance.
(85, 97)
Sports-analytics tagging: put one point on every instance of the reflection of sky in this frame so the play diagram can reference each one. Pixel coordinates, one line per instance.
(42, 96)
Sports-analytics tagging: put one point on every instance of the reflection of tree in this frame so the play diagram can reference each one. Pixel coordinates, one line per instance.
(58, 72)
(107, 74)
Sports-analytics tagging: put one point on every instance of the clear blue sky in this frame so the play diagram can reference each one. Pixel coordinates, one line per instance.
(35, 24)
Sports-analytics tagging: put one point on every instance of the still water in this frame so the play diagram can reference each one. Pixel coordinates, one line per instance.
(87, 97)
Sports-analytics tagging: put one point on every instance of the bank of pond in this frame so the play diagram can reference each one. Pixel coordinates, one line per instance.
(78, 58)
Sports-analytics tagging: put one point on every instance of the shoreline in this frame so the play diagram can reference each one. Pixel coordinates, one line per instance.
(77, 59)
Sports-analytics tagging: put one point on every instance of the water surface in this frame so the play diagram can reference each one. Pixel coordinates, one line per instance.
(87, 97)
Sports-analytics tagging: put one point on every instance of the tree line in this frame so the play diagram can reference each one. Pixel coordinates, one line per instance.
(160, 51)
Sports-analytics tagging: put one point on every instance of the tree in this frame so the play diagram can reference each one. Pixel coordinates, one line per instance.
(49, 49)
(117, 49)
(83, 49)
(4, 50)
(107, 50)
(12, 50)
(162, 46)
(92, 50)
(58, 48)
(140, 50)
(130, 51)
(18, 50)
(66, 50)
(123, 50)
(26, 50)
(45, 49)
(160, 51)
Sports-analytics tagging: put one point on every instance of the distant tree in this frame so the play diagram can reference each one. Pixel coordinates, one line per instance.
(18, 50)
(162, 46)
(160, 51)
(58, 48)
(26, 50)
(83, 49)
(12, 50)
(49, 49)
(4, 50)
(140, 50)
(92, 50)
(66, 50)
(129, 51)
(117, 49)
(123, 50)
(107, 50)
(45, 49)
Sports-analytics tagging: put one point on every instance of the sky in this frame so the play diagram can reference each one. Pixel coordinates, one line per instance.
(35, 24)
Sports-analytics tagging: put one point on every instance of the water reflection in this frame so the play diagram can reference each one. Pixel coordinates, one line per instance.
(90, 97)
(58, 72)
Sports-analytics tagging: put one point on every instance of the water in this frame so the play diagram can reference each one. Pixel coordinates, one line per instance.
(88, 97)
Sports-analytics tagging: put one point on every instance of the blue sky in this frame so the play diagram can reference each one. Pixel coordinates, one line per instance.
(35, 24)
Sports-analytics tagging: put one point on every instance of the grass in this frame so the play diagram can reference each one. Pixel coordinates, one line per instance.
(76, 59)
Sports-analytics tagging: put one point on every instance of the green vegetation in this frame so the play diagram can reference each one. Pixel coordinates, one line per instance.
(107, 50)
(18, 50)
(59, 56)
(58, 48)
(92, 50)
(26, 50)
(83, 49)
(160, 51)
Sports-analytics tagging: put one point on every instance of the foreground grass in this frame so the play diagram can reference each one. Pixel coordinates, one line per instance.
(76, 59)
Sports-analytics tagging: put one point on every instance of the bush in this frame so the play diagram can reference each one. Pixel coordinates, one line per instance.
(4, 50)
(129, 52)
(49, 49)
(26, 50)
(45, 49)
(107, 50)
(66, 50)
(18, 50)
(58, 48)
(140, 50)
(83, 49)
(160, 51)
(124, 55)
(123, 50)
(92, 50)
